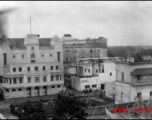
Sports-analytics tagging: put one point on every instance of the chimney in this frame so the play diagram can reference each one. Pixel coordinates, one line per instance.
(130, 59)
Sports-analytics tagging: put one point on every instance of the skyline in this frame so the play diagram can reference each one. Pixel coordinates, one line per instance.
(122, 23)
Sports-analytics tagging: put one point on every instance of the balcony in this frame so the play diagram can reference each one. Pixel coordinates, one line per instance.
(33, 84)
(140, 82)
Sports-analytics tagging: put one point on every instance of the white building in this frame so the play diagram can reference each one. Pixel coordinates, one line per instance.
(133, 81)
(91, 75)
(31, 66)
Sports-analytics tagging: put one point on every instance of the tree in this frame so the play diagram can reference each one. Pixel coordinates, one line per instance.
(67, 106)
(31, 111)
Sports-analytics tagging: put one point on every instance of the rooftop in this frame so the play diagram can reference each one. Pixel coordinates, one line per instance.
(18, 43)
(132, 63)
(142, 71)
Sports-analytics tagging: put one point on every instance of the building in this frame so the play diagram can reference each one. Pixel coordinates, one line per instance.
(147, 58)
(133, 82)
(87, 48)
(114, 59)
(89, 74)
(31, 66)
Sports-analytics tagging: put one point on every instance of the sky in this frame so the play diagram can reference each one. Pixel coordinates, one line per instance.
(121, 22)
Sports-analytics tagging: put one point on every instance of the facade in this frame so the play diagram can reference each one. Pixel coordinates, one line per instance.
(88, 48)
(89, 75)
(31, 66)
(133, 82)
(146, 58)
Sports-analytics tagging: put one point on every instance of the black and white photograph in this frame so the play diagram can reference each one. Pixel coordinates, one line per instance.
(75, 60)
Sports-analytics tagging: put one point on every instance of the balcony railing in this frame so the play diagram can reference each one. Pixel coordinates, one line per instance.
(32, 84)
(141, 81)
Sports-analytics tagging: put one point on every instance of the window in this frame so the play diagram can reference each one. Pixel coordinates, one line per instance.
(32, 55)
(36, 68)
(43, 67)
(20, 89)
(139, 96)
(22, 56)
(85, 70)
(14, 69)
(122, 76)
(110, 74)
(50, 55)
(13, 90)
(20, 80)
(150, 94)
(28, 68)
(52, 78)
(102, 86)
(53, 86)
(94, 86)
(67, 51)
(32, 48)
(67, 59)
(32, 61)
(5, 58)
(57, 77)
(36, 79)
(6, 90)
(87, 86)
(20, 69)
(42, 55)
(57, 67)
(10, 81)
(51, 67)
(138, 77)
(14, 81)
(13, 56)
(91, 51)
(96, 71)
(58, 86)
(29, 79)
(58, 56)
(44, 79)
(89, 70)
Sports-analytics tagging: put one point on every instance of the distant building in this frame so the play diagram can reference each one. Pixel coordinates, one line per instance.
(31, 66)
(116, 59)
(74, 48)
(133, 81)
(146, 58)
(89, 74)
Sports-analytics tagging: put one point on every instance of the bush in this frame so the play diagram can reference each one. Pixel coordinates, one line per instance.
(90, 90)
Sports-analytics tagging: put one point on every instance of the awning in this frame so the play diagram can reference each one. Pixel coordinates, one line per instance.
(142, 71)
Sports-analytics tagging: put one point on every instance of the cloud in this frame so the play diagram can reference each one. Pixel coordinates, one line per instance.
(122, 23)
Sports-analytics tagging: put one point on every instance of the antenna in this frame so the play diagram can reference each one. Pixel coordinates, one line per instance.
(30, 26)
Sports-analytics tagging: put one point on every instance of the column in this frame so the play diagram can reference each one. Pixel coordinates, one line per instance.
(32, 91)
(41, 90)
(25, 79)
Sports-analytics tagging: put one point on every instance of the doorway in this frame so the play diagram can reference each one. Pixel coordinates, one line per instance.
(29, 93)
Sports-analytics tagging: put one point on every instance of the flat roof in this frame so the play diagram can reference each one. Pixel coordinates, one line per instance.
(132, 63)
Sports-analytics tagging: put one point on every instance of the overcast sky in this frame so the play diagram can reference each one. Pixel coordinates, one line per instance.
(121, 22)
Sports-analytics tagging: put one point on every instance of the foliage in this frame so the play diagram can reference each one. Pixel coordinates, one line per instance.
(125, 51)
(67, 106)
(30, 111)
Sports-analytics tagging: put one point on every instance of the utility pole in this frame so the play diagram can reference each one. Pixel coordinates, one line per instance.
(30, 26)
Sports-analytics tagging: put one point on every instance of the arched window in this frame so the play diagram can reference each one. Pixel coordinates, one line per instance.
(32, 55)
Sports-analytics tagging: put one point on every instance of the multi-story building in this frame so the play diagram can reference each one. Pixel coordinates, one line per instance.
(133, 82)
(89, 74)
(87, 48)
(31, 66)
